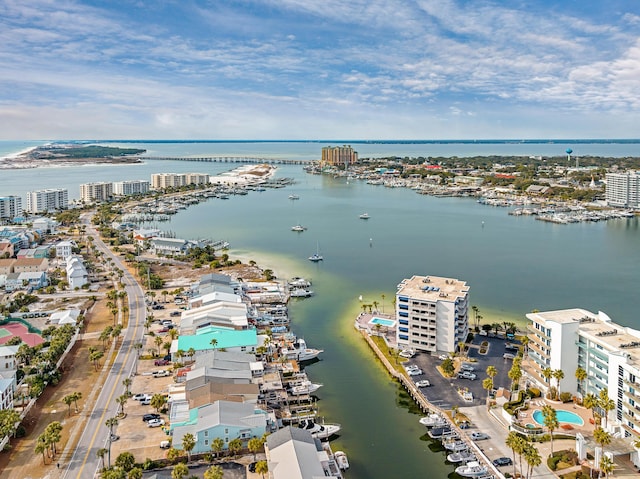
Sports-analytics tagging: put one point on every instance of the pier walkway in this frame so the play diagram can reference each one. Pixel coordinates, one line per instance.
(228, 159)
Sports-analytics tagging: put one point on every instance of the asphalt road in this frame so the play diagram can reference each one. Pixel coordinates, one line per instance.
(84, 462)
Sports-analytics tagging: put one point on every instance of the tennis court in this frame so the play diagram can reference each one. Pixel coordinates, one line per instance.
(10, 330)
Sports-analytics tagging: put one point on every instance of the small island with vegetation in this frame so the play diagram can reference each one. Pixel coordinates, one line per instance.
(72, 154)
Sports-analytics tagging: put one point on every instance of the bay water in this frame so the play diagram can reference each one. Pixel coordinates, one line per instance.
(512, 265)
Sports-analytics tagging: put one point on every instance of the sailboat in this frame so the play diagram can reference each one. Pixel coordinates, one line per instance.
(315, 257)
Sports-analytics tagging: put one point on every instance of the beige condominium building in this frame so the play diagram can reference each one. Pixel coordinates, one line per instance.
(174, 180)
(432, 313)
(98, 191)
(338, 155)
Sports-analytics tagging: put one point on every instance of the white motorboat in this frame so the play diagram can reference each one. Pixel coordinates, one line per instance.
(341, 460)
(364, 216)
(294, 197)
(433, 420)
(440, 432)
(297, 282)
(300, 293)
(304, 387)
(455, 446)
(315, 257)
(471, 469)
(320, 431)
(462, 456)
(298, 228)
(300, 352)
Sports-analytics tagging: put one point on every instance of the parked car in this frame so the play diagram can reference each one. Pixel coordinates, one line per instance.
(163, 329)
(252, 467)
(161, 373)
(423, 384)
(165, 444)
(146, 402)
(508, 356)
(149, 417)
(409, 367)
(155, 423)
(415, 372)
(467, 367)
(502, 461)
(406, 353)
(157, 306)
(442, 357)
(467, 375)
(160, 362)
(114, 437)
(141, 397)
(478, 436)
(174, 313)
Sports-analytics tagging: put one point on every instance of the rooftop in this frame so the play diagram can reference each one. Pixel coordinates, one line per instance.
(433, 288)
(563, 316)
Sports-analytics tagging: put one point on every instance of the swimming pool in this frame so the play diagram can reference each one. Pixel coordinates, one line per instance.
(562, 415)
(389, 323)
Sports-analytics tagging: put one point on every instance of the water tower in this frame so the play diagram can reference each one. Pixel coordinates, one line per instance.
(569, 151)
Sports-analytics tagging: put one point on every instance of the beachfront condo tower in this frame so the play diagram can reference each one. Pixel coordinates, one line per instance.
(432, 314)
(338, 156)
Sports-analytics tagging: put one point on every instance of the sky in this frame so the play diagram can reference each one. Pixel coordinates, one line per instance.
(319, 69)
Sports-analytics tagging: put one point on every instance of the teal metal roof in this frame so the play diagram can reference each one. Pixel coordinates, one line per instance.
(226, 338)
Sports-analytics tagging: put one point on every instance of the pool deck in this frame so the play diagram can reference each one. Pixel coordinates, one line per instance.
(363, 322)
(526, 417)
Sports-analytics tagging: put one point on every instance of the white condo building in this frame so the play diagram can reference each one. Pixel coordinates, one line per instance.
(10, 207)
(43, 201)
(168, 180)
(131, 187)
(432, 313)
(609, 353)
(99, 191)
(623, 189)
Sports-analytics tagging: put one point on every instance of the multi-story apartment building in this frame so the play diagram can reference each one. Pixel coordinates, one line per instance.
(432, 313)
(131, 187)
(197, 179)
(99, 191)
(609, 353)
(10, 207)
(43, 201)
(623, 189)
(168, 180)
(338, 155)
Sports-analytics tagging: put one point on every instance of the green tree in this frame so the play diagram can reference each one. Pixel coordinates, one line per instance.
(532, 456)
(590, 401)
(188, 443)
(606, 465)
(214, 472)
(158, 401)
(602, 437)
(180, 471)
(448, 367)
(217, 445)
(558, 375)
(515, 373)
(76, 397)
(262, 468)
(122, 400)
(492, 372)
(255, 445)
(550, 421)
(515, 442)
(606, 404)
(487, 384)
(547, 374)
(100, 453)
(135, 473)
(126, 382)
(68, 400)
(581, 376)
(235, 446)
(173, 454)
(125, 461)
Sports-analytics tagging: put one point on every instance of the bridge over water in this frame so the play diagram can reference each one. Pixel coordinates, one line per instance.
(229, 159)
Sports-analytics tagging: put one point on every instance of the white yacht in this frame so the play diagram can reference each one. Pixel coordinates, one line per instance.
(294, 197)
(433, 420)
(455, 446)
(320, 431)
(300, 293)
(300, 352)
(299, 228)
(471, 469)
(364, 216)
(315, 257)
(297, 282)
(341, 460)
(304, 387)
(462, 456)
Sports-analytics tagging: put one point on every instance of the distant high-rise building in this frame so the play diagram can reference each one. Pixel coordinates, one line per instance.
(338, 155)
(130, 187)
(623, 189)
(43, 201)
(432, 314)
(10, 207)
(99, 191)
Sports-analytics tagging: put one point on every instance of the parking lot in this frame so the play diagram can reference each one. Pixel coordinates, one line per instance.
(443, 392)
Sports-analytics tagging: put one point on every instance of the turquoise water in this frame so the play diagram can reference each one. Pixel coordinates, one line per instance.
(512, 266)
(562, 415)
(383, 322)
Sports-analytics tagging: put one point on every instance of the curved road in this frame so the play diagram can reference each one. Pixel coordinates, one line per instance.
(84, 462)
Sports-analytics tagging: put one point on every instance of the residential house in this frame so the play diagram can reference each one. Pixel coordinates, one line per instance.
(77, 275)
(29, 265)
(293, 453)
(242, 341)
(64, 249)
(13, 282)
(33, 280)
(6, 265)
(170, 246)
(225, 314)
(223, 419)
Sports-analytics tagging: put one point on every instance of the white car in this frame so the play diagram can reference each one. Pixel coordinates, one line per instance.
(442, 357)
(406, 353)
(415, 372)
(411, 366)
(467, 375)
(141, 397)
(423, 384)
(467, 367)
(478, 436)
(156, 423)
(161, 373)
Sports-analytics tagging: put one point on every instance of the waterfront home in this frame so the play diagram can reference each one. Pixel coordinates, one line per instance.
(223, 419)
(214, 296)
(293, 453)
(171, 246)
(224, 314)
(212, 282)
(241, 341)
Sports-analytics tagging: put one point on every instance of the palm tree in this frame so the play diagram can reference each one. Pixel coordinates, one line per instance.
(100, 453)
(217, 445)
(602, 437)
(547, 374)
(255, 445)
(122, 400)
(158, 341)
(487, 384)
(606, 465)
(590, 401)
(126, 382)
(515, 373)
(382, 296)
(158, 401)
(214, 472)
(188, 443)
(605, 403)
(532, 456)
(558, 375)
(581, 375)
(41, 448)
(514, 442)
(68, 399)
(550, 421)
(180, 471)
(214, 343)
(235, 446)
(492, 372)
(262, 468)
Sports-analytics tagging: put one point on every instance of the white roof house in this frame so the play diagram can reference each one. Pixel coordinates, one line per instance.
(68, 316)
(220, 313)
(76, 273)
(64, 249)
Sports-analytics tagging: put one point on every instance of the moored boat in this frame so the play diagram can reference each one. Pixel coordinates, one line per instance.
(364, 216)
(433, 420)
(462, 456)
(341, 460)
(301, 293)
(471, 469)
(320, 431)
(298, 228)
(300, 352)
